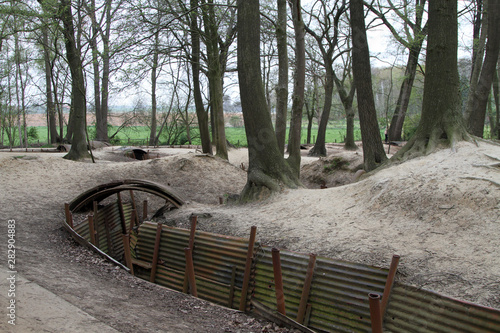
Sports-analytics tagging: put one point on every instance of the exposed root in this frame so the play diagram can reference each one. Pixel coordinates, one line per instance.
(493, 157)
(260, 186)
(422, 143)
(493, 142)
(489, 166)
(485, 179)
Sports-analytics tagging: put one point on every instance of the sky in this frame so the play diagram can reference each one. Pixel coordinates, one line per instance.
(383, 49)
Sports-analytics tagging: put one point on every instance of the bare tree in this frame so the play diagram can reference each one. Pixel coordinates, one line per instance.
(282, 87)
(327, 40)
(78, 99)
(201, 114)
(373, 151)
(495, 130)
(476, 106)
(298, 88)
(267, 170)
(441, 121)
(311, 101)
(347, 99)
(215, 73)
(412, 38)
(51, 109)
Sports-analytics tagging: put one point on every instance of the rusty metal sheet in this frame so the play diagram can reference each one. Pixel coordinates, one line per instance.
(214, 257)
(169, 278)
(412, 309)
(293, 268)
(339, 291)
(112, 214)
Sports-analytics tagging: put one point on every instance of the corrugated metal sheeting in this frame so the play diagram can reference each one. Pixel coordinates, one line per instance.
(338, 299)
(412, 309)
(108, 239)
(215, 259)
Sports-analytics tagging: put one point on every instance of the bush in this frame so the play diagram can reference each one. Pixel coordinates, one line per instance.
(32, 133)
(335, 163)
(92, 132)
(181, 139)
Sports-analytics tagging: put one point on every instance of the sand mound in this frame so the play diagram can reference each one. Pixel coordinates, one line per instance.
(441, 213)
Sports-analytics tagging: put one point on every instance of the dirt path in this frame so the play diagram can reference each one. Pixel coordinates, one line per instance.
(66, 279)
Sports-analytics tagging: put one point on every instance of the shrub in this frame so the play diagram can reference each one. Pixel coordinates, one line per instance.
(32, 133)
(335, 163)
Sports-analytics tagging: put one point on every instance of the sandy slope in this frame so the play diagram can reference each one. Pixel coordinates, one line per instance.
(441, 213)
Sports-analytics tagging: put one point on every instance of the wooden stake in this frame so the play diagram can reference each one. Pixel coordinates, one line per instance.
(144, 210)
(248, 268)
(375, 312)
(306, 289)
(156, 253)
(278, 282)
(96, 223)
(69, 216)
(133, 218)
(122, 214)
(91, 229)
(190, 271)
(389, 283)
(126, 252)
(134, 207)
(194, 221)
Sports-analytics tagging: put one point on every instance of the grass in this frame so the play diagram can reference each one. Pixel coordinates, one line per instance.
(139, 135)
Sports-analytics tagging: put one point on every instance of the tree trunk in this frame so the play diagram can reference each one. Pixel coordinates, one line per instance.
(476, 112)
(59, 109)
(153, 135)
(78, 123)
(311, 108)
(347, 99)
(267, 171)
(309, 112)
(373, 150)
(319, 148)
(478, 42)
(477, 57)
(327, 43)
(215, 79)
(201, 114)
(95, 64)
(441, 120)
(491, 117)
(102, 116)
(298, 89)
(396, 128)
(496, 95)
(17, 60)
(51, 112)
(282, 88)
(350, 142)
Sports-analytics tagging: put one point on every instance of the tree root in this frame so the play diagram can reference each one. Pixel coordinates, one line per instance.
(260, 186)
(493, 157)
(480, 178)
(424, 143)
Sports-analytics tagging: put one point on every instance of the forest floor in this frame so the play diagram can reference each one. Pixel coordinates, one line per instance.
(440, 213)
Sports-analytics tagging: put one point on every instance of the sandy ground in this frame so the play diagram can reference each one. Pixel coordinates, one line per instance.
(441, 213)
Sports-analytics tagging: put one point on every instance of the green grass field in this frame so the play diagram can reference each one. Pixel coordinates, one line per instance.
(138, 135)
